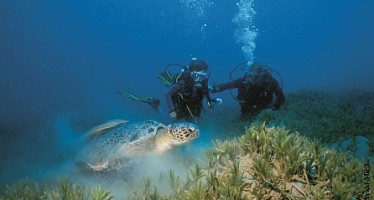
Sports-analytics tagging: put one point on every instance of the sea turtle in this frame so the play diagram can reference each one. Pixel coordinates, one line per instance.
(112, 145)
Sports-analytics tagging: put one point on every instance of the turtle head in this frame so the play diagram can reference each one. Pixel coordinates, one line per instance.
(183, 132)
(174, 135)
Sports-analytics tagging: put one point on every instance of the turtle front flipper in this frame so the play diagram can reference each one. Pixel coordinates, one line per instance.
(106, 127)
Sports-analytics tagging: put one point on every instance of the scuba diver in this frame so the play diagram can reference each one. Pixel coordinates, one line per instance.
(255, 90)
(188, 89)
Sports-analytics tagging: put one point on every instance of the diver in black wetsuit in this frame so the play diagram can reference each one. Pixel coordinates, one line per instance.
(185, 98)
(255, 91)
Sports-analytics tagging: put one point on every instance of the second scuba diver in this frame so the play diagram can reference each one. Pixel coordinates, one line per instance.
(255, 91)
(185, 97)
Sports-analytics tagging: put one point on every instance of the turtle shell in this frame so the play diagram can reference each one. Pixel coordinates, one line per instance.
(111, 145)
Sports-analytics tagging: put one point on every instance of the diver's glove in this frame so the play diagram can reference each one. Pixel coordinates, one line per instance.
(218, 101)
(173, 115)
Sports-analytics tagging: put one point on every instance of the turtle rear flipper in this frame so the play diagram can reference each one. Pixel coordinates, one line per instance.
(84, 166)
(92, 168)
(107, 167)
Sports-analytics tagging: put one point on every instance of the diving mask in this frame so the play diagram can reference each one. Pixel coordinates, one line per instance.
(199, 76)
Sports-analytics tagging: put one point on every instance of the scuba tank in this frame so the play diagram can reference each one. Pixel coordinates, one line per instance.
(169, 77)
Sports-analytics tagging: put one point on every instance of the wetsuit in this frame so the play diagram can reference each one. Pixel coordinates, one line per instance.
(186, 98)
(255, 96)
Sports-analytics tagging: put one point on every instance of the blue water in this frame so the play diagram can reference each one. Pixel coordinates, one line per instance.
(65, 59)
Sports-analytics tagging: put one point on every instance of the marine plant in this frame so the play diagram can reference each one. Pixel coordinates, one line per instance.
(63, 190)
(266, 162)
(22, 188)
(70, 191)
(324, 116)
(98, 193)
(146, 192)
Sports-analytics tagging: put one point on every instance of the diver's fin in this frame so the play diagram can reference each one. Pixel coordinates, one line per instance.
(129, 95)
(166, 78)
(154, 102)
(103, 128)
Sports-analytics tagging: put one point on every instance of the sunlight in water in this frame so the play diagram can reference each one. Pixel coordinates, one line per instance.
(246, 33)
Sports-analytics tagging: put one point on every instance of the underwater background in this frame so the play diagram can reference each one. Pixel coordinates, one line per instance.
(62, 61)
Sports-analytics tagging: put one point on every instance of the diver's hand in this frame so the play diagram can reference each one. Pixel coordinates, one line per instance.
(218, 101)
(173, 115)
